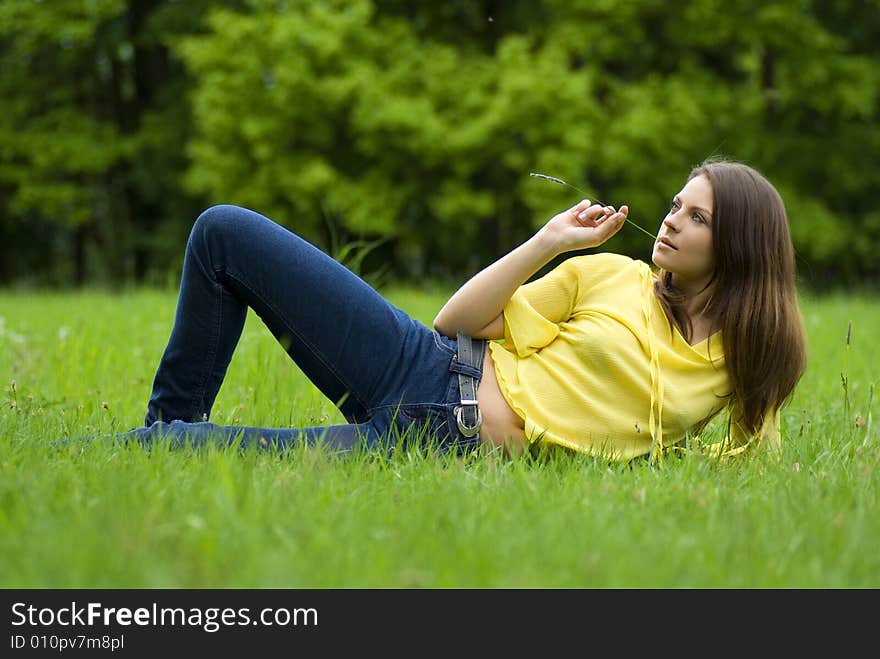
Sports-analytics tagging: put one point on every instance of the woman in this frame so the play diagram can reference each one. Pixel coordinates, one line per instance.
(600, 355)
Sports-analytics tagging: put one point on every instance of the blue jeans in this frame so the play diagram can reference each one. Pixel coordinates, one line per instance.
(390, 375)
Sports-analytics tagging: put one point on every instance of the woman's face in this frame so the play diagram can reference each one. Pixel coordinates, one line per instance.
(684, 241)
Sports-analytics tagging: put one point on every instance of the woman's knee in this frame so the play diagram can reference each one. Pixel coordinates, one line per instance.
(216, 220)
(216, 227)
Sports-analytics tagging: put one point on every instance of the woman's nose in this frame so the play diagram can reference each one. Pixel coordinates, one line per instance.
(669, 221)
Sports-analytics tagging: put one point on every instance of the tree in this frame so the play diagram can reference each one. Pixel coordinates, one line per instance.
(417, 124)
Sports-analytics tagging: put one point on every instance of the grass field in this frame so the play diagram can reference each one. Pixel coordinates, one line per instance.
(102, 515)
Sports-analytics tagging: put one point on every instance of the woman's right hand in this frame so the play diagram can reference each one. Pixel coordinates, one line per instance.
(582, 226)
(477, 307)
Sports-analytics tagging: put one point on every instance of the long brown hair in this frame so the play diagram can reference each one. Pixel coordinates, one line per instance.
(754, 301)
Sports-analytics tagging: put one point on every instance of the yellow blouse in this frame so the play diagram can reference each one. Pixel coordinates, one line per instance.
(589, 361)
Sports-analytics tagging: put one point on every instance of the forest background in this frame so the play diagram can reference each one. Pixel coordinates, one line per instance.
(403, 133)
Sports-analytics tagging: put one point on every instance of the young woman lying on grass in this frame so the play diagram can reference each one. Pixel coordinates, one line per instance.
(603, 354)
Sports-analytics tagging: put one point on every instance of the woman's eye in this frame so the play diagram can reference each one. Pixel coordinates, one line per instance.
(698, 218)
(675, 205)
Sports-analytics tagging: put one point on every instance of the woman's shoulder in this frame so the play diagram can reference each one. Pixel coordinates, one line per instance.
(606, 264)
(610, 258)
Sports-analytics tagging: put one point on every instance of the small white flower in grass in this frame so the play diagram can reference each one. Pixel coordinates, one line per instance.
(63, 333)
(195, 522)
(14, 337)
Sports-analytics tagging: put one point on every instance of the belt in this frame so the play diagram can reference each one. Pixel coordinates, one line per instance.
(468, 363)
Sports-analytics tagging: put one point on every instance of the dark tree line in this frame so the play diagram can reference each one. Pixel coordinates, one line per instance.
(411, 128)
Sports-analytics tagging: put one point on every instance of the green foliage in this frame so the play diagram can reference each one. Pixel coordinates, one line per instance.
(363, 121)
(91, 138)
(53, 154)
(418, 124)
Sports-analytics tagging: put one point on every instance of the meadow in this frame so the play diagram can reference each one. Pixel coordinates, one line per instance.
(99, 514)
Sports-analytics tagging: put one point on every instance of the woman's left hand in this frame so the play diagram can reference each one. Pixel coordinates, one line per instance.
(583, 225)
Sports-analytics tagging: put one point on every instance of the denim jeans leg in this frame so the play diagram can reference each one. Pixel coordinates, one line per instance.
(337, 438)
(357, 348)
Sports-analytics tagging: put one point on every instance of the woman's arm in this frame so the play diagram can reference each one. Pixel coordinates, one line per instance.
(476, 307)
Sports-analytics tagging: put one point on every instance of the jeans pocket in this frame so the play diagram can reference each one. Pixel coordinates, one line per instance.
(440, 342)
(423, 425)
(433, 425)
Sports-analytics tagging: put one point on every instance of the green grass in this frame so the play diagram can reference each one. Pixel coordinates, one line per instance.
(102, 515)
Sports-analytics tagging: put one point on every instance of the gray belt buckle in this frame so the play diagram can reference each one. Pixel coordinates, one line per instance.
(468, 431)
